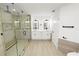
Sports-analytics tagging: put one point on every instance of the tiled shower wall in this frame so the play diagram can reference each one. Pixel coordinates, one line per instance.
(1, 38)
(7, 28)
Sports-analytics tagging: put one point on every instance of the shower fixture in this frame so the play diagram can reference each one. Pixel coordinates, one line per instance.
(13, 7)
(7, 9)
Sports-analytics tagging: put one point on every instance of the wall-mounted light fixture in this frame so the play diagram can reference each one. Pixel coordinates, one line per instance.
(68, 26)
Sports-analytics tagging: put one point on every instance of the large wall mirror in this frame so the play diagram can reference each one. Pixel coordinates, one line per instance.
(46, 24)
(36, 25)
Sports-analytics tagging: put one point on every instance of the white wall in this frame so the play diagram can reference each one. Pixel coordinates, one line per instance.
(69, 16)
(40, 33)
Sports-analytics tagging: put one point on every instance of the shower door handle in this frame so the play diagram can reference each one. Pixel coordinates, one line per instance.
(1, 34)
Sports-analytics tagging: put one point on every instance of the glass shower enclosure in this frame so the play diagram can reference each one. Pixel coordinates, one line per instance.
(16, 33)
(22, 32)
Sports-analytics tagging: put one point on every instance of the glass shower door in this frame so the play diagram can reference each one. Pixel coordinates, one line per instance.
(8, 33)
(25, 31)
(18, 36)
(16, 33)
(22, 32)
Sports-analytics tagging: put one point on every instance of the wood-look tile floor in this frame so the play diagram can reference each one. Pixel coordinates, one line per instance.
(42, 48)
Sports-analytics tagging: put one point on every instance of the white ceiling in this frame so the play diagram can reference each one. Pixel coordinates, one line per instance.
(38, 7)
(35, 7)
